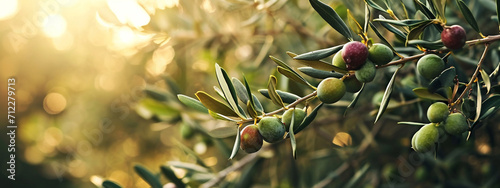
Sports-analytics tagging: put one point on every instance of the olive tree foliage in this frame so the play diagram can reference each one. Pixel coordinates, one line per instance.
(383, 133)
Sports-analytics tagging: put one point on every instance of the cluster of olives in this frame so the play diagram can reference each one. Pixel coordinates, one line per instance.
(269, 129)
(441, 122)
(357, 57)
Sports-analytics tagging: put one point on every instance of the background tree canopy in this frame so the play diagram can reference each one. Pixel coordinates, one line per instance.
(102, 87)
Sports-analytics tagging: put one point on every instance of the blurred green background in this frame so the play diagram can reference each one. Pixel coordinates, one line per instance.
(96, 85)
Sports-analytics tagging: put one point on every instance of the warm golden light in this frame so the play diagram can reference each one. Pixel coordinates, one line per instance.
(55, 26)
(129, 12)
(54, 103)
(8, 8)
(342, 139)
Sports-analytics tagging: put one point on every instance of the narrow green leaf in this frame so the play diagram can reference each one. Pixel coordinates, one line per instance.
(220, 116)
(422, 8)
(147, 176)
(382, 38)
(222, 132)
(417, 30)
(321, 65)
(320, 74)
(156, 93)
(468, 108)
(356, 97)
(440, 7)
(251, 110)
(410, 123)
(215, 105)
(258, 105)
(469, 17)
(479, 100)
(285, 96)
(355, 26)
(228, 89)
(169, 174)
(374, 5)
(292, 136)
(319, 54)
(399, 34)
(219, 92)
(308, 119)
(332, 18)
(486, 80)
(254, 110)
(110, 184)
(367, 19)
(295, 77)
(431, 45)
(241, 91)
(192, 103)
(188, 151)
(188, 166)
(445, 79)
(424, 93)
(271, 87)
(489, 106)
(236, 146)
(407, 22)
(387, 96)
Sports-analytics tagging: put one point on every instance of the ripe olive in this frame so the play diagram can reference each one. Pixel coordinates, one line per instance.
(437, 112)
(354, 54)
(271, 129)
(331, 90)
(250, 140)
(300, 114)
(380, 54)
(456, 124)
(366, 73)
(430, 66)
(453, 37)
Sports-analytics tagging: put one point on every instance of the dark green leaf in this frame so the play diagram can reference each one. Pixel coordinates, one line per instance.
(374, 5)
(382, 38)
(319, 54)
(321, 65)
(332, 18)
(295, 77)
(147, 176)
(431, 45)
(407, 22)
(215, 105)
(439, 6)
(285, 96)
(155, 93)
(308, 119)
(422, 8)
(411, 123)
(188, 166)
(490, 106)
(387, 96)
(228, 89)
(445, 79)
(486, 80)
(258, 105)
(169, 173)
(236, 146)
(468, 108)
(292, 136)
(241, 91)
(424, 93)
(273, 95)
(110, 184)
(320, 74)
(417, 30)
(251, 102)
(356, 96)
(400, 34)
(192, 103)
(479, 100)
(469, 17)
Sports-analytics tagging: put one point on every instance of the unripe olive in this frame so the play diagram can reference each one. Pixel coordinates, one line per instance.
(300, 114)
(352, 84)
(338, 61)
(354, 54)
(366, 73)
(250, 140)
(425, 138)
(331, 90)
(430, 66)
(437, 112)
(380, 54)
(271, 129)
(456, 124)
(453, 37)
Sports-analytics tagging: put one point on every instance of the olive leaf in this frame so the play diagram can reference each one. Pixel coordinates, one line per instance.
(411, 123)
(110, 184)
(294, 77)
(308, 119)
(406, 22)
(236, 145)
(156, 93)
(424, 93)
(382, 38)
(479, 100)
(439, 6)
(399, 34)
(417, 29)
(285, 96)
(431, 45)
(355, 100)
(215, 105)
(355, 26)
(222, 132)
(241, 91)
(422, 8)
(320, 65)
(147, 176)
(489, 106)
(445, 79)
(320, 74)
(253, 103)
(273, 95)
(498, 14)
(332, 18)
(292, 136)
(387, 96)
(374, 5)
(228, 89)
(193, 103)
(469, 17)
(486, 80)
(319, 54)
(169, 174)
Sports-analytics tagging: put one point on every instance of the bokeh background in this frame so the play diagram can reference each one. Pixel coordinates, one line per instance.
(96, 85)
